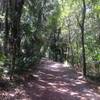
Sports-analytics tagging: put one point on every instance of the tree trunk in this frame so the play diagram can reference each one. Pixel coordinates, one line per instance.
(6, 38)
(15, 15)
(82, 38)
(81, 25)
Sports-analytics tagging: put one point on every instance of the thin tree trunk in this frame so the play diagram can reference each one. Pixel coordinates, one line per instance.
(6, 38)
(77, 52)
(81, 25)
(82, 31)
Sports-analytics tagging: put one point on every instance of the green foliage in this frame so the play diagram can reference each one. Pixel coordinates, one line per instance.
(51, 29)
(2, 62)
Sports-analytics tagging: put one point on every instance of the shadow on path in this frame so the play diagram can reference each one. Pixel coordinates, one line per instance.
(55, 82)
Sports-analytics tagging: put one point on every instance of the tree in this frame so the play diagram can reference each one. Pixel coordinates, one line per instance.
(61, 30)
(81, 24)
(15, 16)
(6, 38)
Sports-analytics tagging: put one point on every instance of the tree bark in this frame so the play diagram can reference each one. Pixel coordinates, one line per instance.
(6, 38)
(15, 15)
(81, 25)
(82, 31)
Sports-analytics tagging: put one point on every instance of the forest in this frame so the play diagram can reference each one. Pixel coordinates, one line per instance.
(63, 31)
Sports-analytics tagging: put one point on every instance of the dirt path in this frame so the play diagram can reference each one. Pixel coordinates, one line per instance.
(53, 82)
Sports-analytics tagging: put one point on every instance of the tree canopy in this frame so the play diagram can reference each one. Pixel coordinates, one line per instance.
(62, 30)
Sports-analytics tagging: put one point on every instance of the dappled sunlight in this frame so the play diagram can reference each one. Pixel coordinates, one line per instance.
(62, 90)
(18, 93)
(54, 82)
(73, 93)
(80, 77)
(49, 49)
(55, 66)
(66, 64)
(78, 82)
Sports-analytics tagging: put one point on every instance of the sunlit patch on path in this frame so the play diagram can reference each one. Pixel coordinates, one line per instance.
(53, 81)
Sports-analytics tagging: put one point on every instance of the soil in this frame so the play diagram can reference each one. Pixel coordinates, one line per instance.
(52, 81)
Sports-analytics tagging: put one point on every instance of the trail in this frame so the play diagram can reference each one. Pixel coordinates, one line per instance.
(54, 82)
